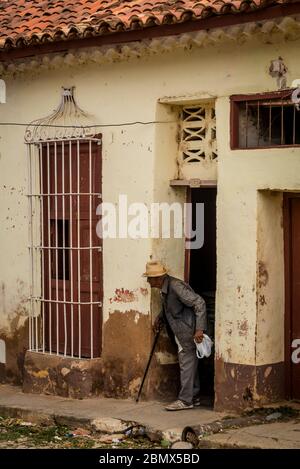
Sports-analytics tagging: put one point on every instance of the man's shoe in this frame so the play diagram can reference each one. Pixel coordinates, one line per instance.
(197, 402)
(179, 405)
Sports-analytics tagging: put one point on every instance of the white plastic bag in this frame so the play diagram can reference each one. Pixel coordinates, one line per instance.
(204, 348)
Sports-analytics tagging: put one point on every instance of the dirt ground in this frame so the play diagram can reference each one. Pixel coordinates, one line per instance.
(15, 433)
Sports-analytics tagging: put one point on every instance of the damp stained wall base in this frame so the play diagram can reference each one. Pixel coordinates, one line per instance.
(118, 373)
(80, 378)
(239, 387)
(15, 341)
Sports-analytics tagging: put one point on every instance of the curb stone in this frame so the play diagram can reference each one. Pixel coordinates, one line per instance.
(106, 425)
(109, 425)
(195, 434)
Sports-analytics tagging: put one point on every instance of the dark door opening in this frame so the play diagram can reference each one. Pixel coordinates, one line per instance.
(292, 294)
(200, 273)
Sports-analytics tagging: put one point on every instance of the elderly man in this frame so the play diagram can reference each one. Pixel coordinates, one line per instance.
(185, 313)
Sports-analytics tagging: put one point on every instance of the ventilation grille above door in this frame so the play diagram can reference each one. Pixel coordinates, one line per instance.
(198, 133)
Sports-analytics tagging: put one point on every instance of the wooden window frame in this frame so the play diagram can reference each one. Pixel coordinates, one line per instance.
(236, 99)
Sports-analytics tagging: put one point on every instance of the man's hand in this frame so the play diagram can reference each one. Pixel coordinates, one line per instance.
(198, 336)
(158, 323)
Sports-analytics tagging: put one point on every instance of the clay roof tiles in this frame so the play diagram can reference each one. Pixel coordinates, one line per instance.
(26, 21)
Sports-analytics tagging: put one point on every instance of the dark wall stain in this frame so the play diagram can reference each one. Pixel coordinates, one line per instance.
(262, 300)
(118, 373)
(15, 335)
(126, 336)
(238, 387)
(127, 343)
(248, 394)
(16, 344)
(68, 377)
(164, 380)
(243, 327)
(263, 275)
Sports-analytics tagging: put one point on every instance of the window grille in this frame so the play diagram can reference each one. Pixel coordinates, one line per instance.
(198, 133)
(64, 174)
(264, 121)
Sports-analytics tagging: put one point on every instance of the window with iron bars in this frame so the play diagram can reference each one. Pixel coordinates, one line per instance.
(266, 120)
(197, 142)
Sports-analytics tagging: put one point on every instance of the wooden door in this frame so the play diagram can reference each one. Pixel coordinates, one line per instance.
(72, 259)
(292, 284)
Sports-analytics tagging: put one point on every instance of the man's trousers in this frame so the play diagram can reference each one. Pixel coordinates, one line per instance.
(189, 375)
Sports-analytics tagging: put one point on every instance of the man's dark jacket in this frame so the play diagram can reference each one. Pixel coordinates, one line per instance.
(183, 309)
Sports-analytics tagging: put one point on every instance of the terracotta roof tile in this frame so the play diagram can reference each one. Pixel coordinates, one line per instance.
(49, 19)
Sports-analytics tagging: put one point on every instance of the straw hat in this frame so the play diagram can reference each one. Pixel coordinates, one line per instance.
(154, 269)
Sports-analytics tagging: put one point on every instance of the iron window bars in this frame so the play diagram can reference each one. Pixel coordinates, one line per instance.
(64, 182)
(267, 120)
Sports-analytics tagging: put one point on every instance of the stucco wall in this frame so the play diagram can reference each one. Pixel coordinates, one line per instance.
(270, 279)
(139, 160)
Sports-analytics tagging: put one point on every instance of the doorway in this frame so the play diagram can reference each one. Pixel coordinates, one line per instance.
(200, 273)
(292, 293)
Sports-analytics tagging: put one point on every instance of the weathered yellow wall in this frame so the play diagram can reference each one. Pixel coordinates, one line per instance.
(170, 251)
(139, 160)
(270, 278)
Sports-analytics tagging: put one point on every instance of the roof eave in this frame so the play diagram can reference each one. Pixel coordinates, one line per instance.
(83, 36)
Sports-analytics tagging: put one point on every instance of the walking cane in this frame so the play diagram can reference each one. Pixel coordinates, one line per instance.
(148, 364)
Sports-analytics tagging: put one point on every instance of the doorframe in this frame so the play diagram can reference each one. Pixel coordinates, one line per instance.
(187, 264)
(287, 196)
(187, 252)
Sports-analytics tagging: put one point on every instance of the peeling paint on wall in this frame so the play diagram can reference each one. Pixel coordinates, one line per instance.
(123, 295)
(144, 291)
(15, 339)
(243, 327)
(239, 387)
(118, 373)
(270, 279)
